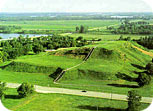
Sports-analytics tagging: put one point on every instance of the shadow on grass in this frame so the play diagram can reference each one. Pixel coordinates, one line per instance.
(124, 85)
(13, 97)
(138, 73)
(95, 108)
(125, 77)
(138, 66)
(56, 73)
(3, 67)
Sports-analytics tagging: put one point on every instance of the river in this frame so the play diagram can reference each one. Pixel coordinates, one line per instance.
(8, 36)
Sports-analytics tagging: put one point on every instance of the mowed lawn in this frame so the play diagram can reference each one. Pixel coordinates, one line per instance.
(44, 59)
(60, 24)
(60, 102)
(20, 77)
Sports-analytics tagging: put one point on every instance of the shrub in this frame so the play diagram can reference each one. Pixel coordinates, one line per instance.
(38, 48)
(25, 89)
(133, 101)
(2, 89)
(143, 79)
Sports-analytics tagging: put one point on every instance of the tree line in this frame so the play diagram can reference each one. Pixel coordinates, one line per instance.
(81, 29)
(127, 27)
(9, 29)
(23, 45)
(19, 30)
(146, 42)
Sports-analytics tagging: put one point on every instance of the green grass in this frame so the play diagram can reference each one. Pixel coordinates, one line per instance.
(20, 77)
(44, 59)
(98, 72)
(105, 37)
(60, 24)
(59, 102)
(95, 74)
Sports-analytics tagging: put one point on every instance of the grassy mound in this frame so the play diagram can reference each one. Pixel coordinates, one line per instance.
(42, 63)
(107, 60)
(112, 67)
(79, 53)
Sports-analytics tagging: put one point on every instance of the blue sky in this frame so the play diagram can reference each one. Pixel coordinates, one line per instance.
(73, 6)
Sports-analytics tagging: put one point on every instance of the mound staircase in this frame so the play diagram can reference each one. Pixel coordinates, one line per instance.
(85, 59)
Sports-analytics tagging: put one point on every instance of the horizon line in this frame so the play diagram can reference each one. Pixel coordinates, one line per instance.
(77, 12)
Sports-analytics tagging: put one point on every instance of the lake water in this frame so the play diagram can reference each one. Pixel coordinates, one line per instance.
(8, 36)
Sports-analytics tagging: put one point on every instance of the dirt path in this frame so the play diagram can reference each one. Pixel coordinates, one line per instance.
(41, 89)
(143, 51)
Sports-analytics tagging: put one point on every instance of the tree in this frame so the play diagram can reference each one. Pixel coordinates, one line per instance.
(143, 79)
(133, 101)
(27, 48)
(82, 29)
(3, 56)
(38, 48)
(77, 29)
(25, 89)
(2, 89)
(121, 37)
(80, 38)
(128, 38)
(50, 46)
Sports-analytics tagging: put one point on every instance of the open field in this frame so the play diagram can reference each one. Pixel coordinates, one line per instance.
(105, 37)
(47, 102)
(60, 24)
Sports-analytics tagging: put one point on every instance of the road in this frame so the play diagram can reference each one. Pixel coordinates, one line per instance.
(41, 89)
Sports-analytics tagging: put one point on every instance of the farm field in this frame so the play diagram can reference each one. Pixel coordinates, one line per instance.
(105, 37)
(46, 102)
(59, 24)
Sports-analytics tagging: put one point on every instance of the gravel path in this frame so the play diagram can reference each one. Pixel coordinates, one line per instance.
(41, 89)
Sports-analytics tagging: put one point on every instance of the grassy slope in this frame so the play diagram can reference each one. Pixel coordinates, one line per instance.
(88, 81)
(44, 59)
(59, 102)
(121, 59)
(111, 66)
